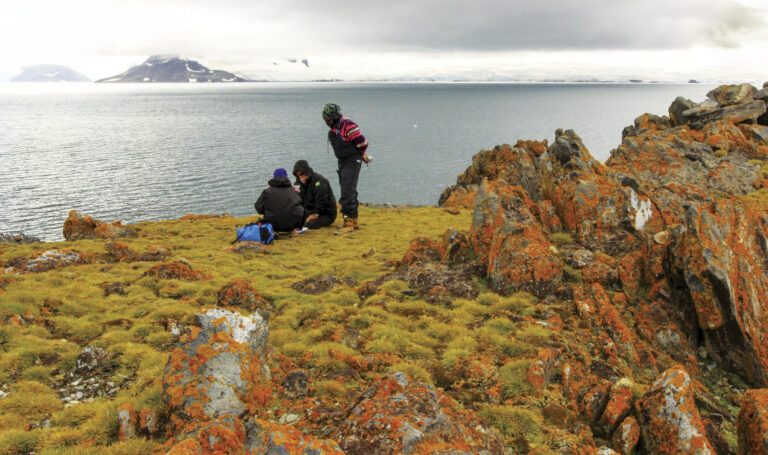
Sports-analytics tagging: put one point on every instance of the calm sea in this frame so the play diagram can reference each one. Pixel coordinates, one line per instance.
(145, 152)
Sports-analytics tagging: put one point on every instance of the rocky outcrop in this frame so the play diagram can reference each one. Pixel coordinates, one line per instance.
(400, 415)
(78, 227)
(661, 252)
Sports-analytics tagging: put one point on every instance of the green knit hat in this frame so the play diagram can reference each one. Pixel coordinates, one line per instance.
(331, 111)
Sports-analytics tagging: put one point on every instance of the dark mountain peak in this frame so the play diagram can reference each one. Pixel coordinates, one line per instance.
(172, 68)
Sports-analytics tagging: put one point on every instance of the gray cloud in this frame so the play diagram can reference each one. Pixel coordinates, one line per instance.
(498, 25)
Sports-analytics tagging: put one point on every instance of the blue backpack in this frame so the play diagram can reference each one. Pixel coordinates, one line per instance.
(255, 232)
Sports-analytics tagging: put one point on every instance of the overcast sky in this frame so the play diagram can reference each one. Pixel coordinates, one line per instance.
(549, 39)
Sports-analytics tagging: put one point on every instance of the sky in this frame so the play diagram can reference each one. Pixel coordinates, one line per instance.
(652, 40)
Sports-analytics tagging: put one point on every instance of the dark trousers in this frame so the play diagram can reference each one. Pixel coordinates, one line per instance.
(320, 221)
(349, 172)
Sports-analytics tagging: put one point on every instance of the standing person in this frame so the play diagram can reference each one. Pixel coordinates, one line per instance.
(316, 196)
(349, 146)
(280, 203)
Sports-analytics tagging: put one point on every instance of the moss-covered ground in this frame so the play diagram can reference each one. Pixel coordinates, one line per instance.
(48, 318)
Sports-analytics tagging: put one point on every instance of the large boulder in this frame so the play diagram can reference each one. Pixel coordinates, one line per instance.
(669, 421)
(218, 369)
(728, 95)
(401, 415)
(753, 423)
(77, 227)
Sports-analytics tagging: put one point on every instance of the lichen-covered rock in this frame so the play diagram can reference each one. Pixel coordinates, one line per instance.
(221, 435)
(401, 415)
(507, 238)
(246, 247)
(264, 438)
(619, 405)
(239, 293)
(727, 95)
(753, 423)
(669, 420)
(148, 422)
(176, 270)
(217, 369)
(720, 252)
(92, 359)
(78, 227)
(127, 418)
(626, 437)
(49, 260)
(19, 239)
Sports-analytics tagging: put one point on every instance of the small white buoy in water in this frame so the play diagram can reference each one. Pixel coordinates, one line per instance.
(415, 125)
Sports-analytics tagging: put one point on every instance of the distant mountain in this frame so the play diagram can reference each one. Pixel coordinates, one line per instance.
(49, 73)
(171, 68)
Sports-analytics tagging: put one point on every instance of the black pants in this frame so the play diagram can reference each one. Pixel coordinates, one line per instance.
(320, 221)
(349, 172)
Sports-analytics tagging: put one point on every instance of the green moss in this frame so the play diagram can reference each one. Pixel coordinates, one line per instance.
(514, 422)
(513, 378)
(536, 334)
(413, 370)
(572, 275)
(561, 239)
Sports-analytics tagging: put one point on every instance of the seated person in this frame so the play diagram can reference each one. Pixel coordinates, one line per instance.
(280, 203)
(316, 196)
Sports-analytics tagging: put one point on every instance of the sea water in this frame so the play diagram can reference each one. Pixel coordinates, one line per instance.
(139, 152)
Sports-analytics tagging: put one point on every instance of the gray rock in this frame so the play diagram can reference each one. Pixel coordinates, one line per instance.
(217, 376)
(6, 237)
(738, 113)
(677, 108)
(729, 95)
(92, 359)
(295, 384)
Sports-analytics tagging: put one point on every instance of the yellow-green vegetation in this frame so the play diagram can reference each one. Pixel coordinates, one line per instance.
(46, 319)
(562, 238)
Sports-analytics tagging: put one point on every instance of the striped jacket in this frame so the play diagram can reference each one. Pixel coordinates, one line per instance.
(348, 131)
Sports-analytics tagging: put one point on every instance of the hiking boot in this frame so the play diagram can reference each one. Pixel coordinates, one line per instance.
(350, 224)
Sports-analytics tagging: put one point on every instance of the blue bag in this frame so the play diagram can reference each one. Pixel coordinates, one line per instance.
(255, 232)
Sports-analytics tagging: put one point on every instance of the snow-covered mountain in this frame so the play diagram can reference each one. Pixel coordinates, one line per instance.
(49, 73)
(171, 68)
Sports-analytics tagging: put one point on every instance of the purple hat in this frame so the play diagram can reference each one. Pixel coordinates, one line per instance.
(280, 172)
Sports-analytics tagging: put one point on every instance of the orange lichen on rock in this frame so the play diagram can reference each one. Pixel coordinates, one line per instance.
(77, 227)
(669, 420)
(177, 271)
(753, 423)
(239, 293)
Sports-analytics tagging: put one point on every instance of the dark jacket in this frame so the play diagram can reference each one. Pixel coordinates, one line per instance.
(281, 205)
(317, 194)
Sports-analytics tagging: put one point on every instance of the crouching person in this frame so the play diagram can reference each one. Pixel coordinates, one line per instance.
(280, 203)
(316, 196)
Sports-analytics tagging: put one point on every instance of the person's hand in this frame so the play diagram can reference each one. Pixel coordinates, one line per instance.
(312, 217)
(366, 158)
